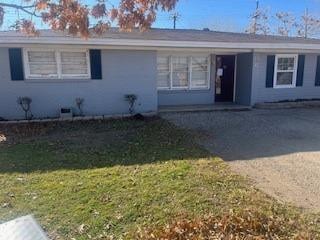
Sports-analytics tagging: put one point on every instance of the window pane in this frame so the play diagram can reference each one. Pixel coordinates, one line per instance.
(284, 78)
(180, 64)
(199, 79)
(163, 80)
(42, 63)
(180, 79)
(199, 64)
(285, 64)
(74, 63)
(43, 69)
(163, 64)
(180, 72)
(40, 57)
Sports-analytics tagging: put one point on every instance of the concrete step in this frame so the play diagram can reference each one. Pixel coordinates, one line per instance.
(203, 108)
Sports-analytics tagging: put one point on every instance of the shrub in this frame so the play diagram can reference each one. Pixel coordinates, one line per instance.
(25, 103)
(79, 103)
(131, 99)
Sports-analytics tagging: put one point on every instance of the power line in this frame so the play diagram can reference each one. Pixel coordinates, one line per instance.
(255, 17)
(175, 16)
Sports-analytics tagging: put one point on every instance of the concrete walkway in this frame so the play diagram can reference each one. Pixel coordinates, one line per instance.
(278, 149)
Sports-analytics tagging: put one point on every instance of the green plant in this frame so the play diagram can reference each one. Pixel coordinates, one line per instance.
(79, 103)
(25, 103)
(131, 99)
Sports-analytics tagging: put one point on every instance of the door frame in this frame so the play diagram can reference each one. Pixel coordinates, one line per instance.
(234, 73)
(235, 78)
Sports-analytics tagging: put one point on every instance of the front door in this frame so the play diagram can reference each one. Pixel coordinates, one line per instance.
(224, 89)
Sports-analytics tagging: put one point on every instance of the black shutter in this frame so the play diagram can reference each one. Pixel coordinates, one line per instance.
(317, 83)
(95, 64)
(270, 70)
(300, 72)
(16, 64)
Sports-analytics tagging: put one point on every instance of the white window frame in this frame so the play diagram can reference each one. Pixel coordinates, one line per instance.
(294, 71)
(189, 57)
(59, 74)
(188, 73)
(170, 73)
(207, 87)
(27, 73)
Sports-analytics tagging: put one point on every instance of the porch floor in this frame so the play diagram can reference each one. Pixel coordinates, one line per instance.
(204, 108)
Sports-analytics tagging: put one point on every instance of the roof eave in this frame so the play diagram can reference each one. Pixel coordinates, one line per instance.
(159, 43)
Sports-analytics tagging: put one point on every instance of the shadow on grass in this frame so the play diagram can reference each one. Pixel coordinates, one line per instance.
(250, 135)
(93, 144)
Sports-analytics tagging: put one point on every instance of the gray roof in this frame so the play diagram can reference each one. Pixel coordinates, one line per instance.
(175, 35)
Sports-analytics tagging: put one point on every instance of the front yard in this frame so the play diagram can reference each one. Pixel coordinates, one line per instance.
(107, 179)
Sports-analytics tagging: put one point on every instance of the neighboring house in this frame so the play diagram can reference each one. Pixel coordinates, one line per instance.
(162, 67)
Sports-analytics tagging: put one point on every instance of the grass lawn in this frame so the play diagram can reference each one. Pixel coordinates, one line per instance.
(98, 179)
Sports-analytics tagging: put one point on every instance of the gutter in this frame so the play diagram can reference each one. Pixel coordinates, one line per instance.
(158, 43)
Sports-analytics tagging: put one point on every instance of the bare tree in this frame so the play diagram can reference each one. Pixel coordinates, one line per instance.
(75, 17)
(309, 26)
(287, 23)
(259, 21)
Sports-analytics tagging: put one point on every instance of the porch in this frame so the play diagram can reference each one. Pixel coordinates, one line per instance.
(204, 108)
(229, 87)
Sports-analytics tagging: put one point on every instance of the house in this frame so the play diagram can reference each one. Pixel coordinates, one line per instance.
(162, 67)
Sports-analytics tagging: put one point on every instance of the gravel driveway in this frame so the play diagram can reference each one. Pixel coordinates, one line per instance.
(278, 149)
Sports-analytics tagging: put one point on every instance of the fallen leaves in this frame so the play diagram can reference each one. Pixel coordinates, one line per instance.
(247, 225)
(6, 205)
(3, 138)
(83, 228)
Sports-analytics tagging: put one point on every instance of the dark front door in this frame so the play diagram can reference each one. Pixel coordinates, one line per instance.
(224, 88)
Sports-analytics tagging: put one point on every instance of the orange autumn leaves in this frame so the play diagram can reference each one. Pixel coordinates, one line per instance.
(246, 225)
(67, 15)
(141, 13)
(78, 19)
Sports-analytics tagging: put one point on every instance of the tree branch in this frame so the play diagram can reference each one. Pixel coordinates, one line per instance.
(20, 7)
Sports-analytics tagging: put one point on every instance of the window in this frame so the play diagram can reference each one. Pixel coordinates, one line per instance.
(56, 64)
(200, 72)
(163, 72)
(42, 63)
(180, 72)
(183, 72)
(74, 64)
(285, 71)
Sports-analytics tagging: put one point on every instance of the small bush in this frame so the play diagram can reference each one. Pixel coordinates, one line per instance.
(79, 103)
(131, 99)
(25, 103)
